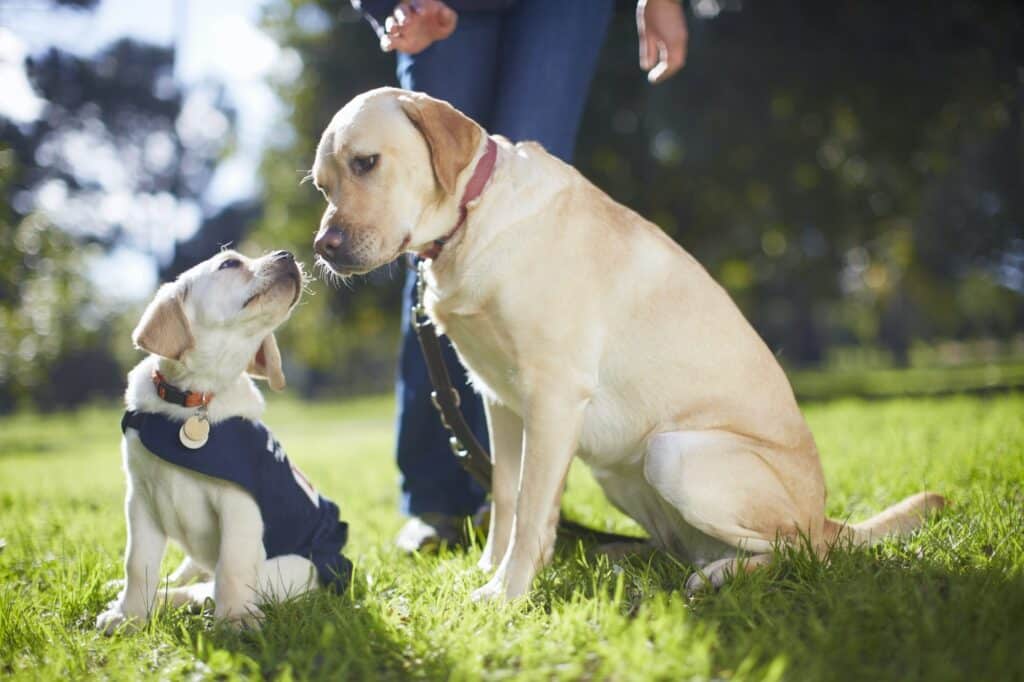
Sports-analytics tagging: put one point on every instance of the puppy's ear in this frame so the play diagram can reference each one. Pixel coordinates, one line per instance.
(452, 136)
(164, 329)
(266, 364)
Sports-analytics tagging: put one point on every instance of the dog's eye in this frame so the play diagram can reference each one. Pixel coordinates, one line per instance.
(230, 263)
(361, 165)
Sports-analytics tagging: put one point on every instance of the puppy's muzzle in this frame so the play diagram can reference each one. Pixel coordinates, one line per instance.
(290, 271)
(281, 268)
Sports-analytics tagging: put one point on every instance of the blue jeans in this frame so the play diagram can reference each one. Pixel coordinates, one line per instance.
(523, 73)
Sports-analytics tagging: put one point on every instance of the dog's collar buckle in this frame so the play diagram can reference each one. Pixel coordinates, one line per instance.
(474, 188)
(172, 394)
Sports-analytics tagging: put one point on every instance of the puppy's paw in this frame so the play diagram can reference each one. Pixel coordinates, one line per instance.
(113, 619)
(245, 617)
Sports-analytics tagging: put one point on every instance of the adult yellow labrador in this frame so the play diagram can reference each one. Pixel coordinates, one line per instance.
(588, 332)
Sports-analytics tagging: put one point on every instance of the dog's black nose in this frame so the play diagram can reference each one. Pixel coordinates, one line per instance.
(283, 255)
(328, 244)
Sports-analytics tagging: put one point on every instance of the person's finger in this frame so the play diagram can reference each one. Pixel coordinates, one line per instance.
(675, 57)
(447, 17)
(648, 52)
(402, 14)
(657, 72)
(641, 34)
(404, 43)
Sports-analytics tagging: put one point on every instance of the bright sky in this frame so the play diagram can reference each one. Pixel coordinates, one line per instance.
(217, 40)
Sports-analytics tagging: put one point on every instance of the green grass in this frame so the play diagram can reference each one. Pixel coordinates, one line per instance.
(875, 382)
(947, 603)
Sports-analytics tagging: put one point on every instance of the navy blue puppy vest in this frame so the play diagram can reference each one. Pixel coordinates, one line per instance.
(296, 519)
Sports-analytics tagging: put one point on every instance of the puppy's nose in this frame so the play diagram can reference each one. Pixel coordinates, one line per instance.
(328, 243)
(283, 255)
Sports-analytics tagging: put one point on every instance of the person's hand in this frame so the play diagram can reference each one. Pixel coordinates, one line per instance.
(661, 27)
(415, 24)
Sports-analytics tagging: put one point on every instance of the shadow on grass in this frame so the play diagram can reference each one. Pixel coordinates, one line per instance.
(319, 636)
(874, 615)
(889, 613)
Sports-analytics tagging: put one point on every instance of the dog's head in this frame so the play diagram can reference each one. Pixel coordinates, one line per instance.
(391, 165)
(218, 318)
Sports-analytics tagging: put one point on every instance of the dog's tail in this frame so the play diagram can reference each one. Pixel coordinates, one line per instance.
(899, 519)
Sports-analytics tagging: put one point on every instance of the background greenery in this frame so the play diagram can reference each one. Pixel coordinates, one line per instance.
(852, 172)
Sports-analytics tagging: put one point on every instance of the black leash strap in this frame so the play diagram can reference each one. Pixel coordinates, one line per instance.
(465, 446)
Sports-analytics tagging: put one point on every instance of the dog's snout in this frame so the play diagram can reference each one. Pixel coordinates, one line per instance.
(328, 243)
(283, 255)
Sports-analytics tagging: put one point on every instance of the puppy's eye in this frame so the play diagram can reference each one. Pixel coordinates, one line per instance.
(361, 165)
(230, 263)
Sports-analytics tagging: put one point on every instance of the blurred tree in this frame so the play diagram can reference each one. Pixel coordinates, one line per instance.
(345, 336)
(852, 172)
(118, 160)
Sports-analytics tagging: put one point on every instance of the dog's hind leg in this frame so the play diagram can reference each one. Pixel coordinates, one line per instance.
(285, 577)
(278, 580)
(188, 571)
(715, 574)
(194, 596)
(725, 487)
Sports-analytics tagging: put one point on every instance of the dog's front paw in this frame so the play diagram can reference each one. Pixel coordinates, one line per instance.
(493, 591)
(506, 585)
(115, 618)
(486, 562)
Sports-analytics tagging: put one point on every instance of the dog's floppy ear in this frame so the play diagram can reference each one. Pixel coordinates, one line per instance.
(164, 329)
(266, 364)
(452, 136)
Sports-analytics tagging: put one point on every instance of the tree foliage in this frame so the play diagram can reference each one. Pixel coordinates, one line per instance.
(118, 159)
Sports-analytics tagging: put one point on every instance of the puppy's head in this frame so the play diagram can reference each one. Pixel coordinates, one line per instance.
(391, 165)
(218, 318)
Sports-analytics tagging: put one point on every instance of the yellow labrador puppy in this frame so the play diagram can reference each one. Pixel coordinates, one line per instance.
(588, 332)
(202, 469)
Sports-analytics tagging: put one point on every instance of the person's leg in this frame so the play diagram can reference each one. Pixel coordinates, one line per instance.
(460, 70)
(548, 56)
(433, 481)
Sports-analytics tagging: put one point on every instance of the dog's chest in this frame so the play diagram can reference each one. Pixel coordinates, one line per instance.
(185, 505)
(488, 355)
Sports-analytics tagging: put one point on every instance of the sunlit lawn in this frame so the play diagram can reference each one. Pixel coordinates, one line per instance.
(947, 603)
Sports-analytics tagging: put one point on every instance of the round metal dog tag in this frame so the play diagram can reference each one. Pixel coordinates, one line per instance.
(194, 432)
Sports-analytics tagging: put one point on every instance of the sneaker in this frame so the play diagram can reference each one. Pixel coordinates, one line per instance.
(429, 532)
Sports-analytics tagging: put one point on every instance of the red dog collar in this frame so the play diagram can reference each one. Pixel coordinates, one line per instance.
(172, 394)
(481, 174)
